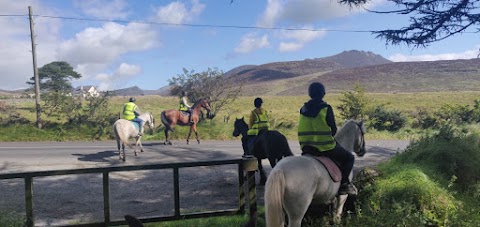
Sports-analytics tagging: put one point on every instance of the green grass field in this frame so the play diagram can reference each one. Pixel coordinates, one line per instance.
(283, 112)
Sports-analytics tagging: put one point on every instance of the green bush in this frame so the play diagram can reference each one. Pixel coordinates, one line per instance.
(382, 119)
(353, 103)
(424, 119)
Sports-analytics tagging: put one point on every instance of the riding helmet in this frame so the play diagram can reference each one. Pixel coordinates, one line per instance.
(316, 90)
(132, 99)
(258, 102)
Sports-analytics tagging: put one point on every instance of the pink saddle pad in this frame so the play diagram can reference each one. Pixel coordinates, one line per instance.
(331, 167)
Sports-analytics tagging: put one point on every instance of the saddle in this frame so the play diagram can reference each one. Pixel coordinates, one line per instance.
(331, 166)
(184, 113)
(136, 125)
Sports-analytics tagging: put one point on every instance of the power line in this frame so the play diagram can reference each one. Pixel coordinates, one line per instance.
(196, 25)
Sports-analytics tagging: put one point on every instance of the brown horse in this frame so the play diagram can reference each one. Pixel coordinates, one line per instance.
(172, 117)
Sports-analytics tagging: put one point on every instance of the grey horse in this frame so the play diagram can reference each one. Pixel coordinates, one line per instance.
(297, 181)
(124, 130)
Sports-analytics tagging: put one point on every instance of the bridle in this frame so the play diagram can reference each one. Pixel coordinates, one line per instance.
(360, 149)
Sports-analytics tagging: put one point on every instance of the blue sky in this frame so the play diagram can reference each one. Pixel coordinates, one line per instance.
(121, 43)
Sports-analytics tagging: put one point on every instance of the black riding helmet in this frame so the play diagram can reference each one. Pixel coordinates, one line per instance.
(258, 102)
(132, 99)
(316, 90)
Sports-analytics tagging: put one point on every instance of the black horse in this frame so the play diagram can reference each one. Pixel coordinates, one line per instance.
(272, 145)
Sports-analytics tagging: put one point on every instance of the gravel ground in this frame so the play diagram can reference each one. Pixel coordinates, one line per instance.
(74, 199)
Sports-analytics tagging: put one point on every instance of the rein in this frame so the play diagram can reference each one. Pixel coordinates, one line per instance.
(361, 147)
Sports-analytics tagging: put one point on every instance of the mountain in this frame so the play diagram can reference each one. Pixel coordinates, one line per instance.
(136, 91)
(291, 69)
(342, 71)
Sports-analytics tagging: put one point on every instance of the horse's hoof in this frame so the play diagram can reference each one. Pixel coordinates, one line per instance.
(136, 154)
(198, 141)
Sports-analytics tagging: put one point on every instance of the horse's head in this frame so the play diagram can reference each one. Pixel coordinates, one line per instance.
(359, 146)
(205, 103)
(149, 120)
(239, 127)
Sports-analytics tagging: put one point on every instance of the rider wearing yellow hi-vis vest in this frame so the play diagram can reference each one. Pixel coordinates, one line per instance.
(258, 123)
(131, 112)
(185, 107)
(316, 131)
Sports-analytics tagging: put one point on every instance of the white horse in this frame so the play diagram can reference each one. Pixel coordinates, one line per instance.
(298, 181)
(124, 130)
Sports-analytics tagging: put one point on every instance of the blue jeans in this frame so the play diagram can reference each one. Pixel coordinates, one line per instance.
(138, 121)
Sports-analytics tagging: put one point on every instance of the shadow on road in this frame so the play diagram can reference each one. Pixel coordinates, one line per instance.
(101, 156)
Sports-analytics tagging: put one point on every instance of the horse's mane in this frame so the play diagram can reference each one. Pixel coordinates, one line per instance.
(349, 125)
(198, 103)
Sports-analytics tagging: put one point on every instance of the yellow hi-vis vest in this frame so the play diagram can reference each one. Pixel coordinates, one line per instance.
(314, 132)
(260, 123)
(182, 106)
(128, 111)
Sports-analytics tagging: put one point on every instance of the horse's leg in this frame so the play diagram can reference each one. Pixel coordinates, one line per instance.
(273, 161)
(167, 140)
(196, 133)
(263, 177)
(339, 208)
(137, 143)
(189, 133)
(123, 152)
(120, 151)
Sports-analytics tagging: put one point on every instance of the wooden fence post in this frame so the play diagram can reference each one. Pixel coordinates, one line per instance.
(250, 165)
(29, 200)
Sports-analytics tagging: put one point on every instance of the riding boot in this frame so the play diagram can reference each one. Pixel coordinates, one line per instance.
(347, 188)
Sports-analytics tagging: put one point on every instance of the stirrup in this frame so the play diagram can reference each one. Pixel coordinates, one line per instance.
(347, 188)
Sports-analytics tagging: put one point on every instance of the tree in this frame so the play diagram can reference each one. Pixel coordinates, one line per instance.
(353, 103)
(430, 20)
(209, 84)
(56, 89)
(56, 77)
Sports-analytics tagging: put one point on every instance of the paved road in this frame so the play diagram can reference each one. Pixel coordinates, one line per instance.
(37, 156)
(63, 200)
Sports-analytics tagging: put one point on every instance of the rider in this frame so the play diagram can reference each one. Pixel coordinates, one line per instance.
(258, 123)
(131, 113)
(316, 131)
(184, 106)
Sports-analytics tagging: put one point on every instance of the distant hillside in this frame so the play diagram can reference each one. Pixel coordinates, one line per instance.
(136, 91)
(453, 75)
(291, 69)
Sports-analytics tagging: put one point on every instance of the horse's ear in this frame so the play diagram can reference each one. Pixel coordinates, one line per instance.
(243, 118)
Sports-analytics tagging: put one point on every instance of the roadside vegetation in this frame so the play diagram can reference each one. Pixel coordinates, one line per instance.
(388, 116)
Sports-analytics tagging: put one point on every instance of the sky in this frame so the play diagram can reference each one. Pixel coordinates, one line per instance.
(117, 44)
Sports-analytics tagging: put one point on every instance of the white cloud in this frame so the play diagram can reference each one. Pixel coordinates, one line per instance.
(250, 42)
(177, 12)
(468, 54)
(306, 11)
(123, 72)
(95, 48)
(16, 65)
(104, 9)
(296, 39)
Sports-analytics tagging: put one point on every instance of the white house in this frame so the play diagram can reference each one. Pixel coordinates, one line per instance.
(86, 91)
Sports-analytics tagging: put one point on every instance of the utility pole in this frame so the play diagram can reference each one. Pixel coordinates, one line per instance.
(35, 70)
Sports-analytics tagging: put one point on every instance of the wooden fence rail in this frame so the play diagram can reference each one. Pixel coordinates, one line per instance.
(246, 167)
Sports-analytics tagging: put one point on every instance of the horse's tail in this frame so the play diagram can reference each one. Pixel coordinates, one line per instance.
(165, 121)
(274, 193)
(121, 136)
